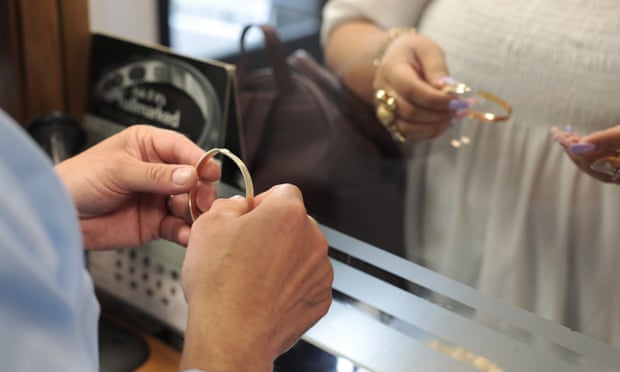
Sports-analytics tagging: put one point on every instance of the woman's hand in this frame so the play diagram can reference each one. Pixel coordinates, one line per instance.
(404, 65)
(413, 70)
(132, 187)
(596, 153)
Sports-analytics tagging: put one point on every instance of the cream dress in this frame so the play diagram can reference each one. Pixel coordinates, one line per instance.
(509, 213)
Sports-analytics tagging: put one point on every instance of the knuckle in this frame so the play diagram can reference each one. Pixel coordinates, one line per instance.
(408, 92)
(293, 210)
(219, 206)
(154, 173)
(323, 244)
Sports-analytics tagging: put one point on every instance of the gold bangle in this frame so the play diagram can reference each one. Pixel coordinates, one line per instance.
(247, 179)
(462, 90)
(392, 34)
(489, 116)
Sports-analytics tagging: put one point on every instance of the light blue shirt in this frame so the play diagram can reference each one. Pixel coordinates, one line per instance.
(48, 309)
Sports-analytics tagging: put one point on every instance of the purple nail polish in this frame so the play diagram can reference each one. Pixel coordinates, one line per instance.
(458, 104)
(581, 148)
(449, 80)
(568, 128)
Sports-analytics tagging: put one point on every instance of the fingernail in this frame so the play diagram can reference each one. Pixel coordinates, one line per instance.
(184, 234)
(449, 80)
(581, 148)
(558, 138)
(458, 104)
(568, 128)
(181, 176)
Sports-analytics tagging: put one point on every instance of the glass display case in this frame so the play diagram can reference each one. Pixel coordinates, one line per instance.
(500, 266)
(411, 318)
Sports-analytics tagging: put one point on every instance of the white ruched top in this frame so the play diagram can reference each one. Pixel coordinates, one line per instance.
(509, 212)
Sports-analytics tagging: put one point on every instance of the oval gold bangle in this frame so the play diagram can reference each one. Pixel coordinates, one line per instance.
(461, 89)
(489, 116)
(247, 179)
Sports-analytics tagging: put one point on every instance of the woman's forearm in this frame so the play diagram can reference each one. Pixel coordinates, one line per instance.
(350, 50)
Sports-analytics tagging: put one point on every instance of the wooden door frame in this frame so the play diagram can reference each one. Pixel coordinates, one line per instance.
(44, 47)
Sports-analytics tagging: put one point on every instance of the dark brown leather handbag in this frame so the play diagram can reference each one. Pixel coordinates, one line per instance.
(300, 125)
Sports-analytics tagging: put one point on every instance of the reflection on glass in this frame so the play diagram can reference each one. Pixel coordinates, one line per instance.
(501, 208)
(211, 28)
(434, 323)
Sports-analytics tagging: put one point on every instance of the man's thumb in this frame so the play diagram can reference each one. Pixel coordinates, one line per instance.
(159, 178)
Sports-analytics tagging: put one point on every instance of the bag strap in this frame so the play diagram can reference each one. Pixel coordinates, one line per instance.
(275, 54)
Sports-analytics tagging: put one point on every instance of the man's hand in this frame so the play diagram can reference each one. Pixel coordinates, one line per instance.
(255, 281)
(132, 187)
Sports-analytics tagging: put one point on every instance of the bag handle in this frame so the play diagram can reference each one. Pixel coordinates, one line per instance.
(275, 53)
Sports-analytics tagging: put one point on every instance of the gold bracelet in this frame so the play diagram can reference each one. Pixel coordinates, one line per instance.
(194, 211)
(465, 92)
(392, 35)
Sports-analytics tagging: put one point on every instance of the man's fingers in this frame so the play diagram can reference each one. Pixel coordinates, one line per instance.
(139, 176)
(171, 147)
(232, 207)
(282, 190)
(175, 148)
(175, 229)
(179, 207)
(166, 162)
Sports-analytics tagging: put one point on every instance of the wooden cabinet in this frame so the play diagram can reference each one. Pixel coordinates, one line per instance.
(43, 57)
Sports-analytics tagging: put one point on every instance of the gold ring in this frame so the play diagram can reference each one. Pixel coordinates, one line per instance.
(247, 179)
(385, 115)
(386, 98)
(609, 165)
(386, 112)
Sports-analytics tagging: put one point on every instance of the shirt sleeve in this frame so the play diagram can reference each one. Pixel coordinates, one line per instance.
(48, 310)
(385, 13)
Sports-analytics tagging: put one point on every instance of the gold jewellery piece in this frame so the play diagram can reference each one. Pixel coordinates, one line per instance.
(609, 165)
(477, 361)
(392, 34)
(247, 179)
(484, 106)
(386, 112)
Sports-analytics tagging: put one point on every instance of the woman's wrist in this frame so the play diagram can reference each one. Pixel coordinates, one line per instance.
(391, 35)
